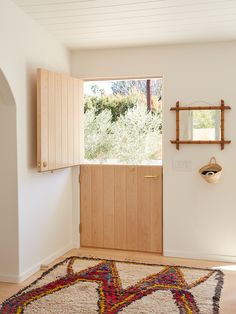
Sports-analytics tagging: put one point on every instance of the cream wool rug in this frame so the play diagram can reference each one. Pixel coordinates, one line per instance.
(87, 285)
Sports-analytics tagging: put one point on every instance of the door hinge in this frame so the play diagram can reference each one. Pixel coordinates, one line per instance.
(79, 178)
(80, 228)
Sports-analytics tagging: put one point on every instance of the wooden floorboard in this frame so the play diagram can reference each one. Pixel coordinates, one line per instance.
(228, 297)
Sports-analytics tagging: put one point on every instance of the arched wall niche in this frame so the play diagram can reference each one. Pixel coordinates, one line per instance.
(9, 261)
(6, 95)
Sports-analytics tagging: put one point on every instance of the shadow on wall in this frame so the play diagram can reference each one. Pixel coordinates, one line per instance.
(31, 116)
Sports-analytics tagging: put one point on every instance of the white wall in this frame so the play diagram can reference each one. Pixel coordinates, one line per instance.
(44, 209)
(199, 219)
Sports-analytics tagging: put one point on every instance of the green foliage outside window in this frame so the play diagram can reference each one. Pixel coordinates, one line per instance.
(118, 127)
(135, 137)
(118, 105)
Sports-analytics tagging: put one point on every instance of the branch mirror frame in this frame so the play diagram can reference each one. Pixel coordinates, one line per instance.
(221, 141)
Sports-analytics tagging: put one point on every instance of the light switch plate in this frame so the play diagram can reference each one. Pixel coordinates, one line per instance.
(182, 165)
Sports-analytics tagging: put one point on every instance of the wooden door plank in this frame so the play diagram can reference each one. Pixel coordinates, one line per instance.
(97, 205)
(64, 121)
(156, 211)
(42, 120)
(70, 121)
(131, 208)
(109, 205)
(58, 112)
(52, 121)
(81, 122)
(143, 209)
(76, 121)
(86, 205)
(120, 207)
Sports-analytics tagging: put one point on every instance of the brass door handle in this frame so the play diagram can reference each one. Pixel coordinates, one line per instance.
(151, 177)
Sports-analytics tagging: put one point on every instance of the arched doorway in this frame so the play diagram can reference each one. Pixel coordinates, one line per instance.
(9, 261)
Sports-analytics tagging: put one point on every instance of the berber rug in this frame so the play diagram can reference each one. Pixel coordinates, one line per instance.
(90, 285)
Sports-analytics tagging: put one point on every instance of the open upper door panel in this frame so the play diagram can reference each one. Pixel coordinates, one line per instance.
(58, 120)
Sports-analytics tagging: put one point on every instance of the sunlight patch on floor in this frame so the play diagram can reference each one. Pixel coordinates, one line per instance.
(225, 267)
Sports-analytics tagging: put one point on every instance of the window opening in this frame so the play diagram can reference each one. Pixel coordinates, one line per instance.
(123, 121)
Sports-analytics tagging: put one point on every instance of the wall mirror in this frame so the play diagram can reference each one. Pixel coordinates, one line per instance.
(200, 125)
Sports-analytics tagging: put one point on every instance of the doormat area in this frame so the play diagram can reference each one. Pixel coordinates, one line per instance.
(89, 285)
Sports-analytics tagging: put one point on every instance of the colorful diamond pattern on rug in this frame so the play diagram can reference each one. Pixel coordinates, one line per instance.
(112, 297)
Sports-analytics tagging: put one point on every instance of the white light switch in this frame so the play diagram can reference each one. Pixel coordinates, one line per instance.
(182, 165)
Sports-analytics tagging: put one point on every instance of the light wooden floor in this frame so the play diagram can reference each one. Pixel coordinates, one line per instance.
(228, 297)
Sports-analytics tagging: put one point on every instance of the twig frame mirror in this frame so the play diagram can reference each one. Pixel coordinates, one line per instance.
(200, 125)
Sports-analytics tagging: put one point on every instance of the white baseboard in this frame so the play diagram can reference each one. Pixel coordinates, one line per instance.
(46, 261)
(202, 256)
(180, 254)
(33, 269)
(9, 278)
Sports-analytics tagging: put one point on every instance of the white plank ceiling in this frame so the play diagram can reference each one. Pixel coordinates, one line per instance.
(81, 24)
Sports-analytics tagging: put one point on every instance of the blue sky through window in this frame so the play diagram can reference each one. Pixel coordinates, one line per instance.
(105, 85)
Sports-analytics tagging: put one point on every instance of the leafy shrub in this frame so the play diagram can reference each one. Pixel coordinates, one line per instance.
(97, 132)
(118, 105)
(137, 136)
(133, 138)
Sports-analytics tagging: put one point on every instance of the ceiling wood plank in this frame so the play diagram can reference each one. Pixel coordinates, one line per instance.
(116, 23)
